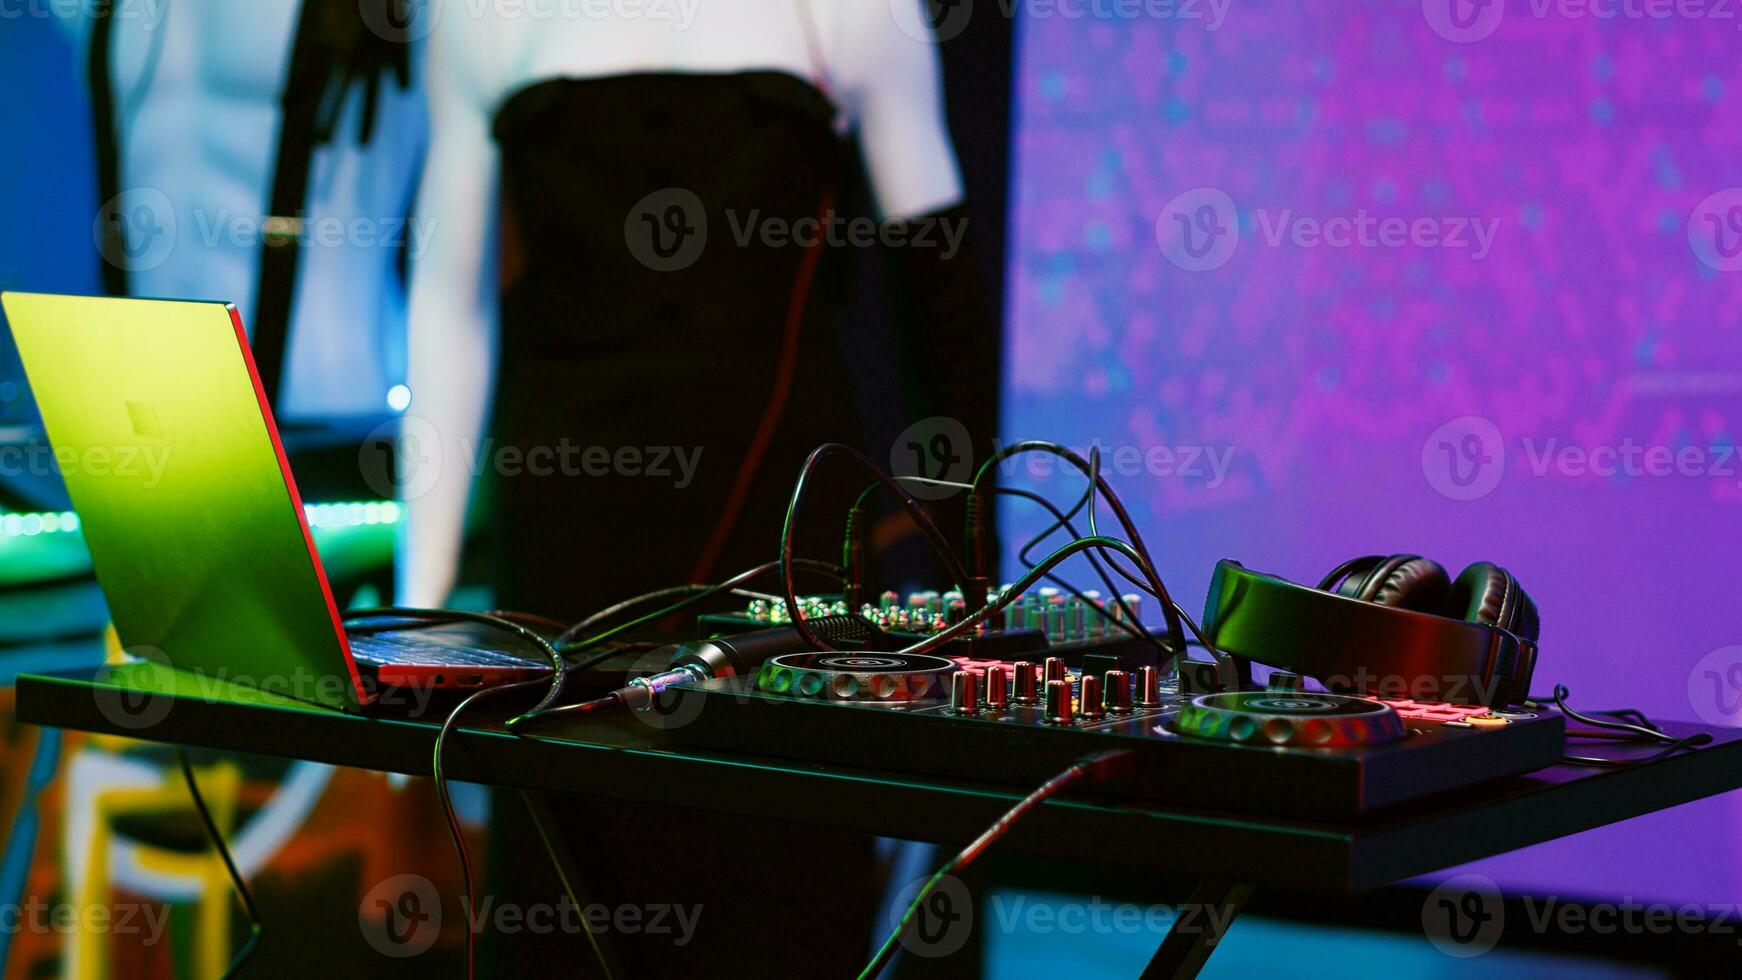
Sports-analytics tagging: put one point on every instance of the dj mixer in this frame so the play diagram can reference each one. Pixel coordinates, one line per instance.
(976, 715)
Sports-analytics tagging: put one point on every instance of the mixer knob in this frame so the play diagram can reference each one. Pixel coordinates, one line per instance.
(1091, 697)
(964, 693)
(998, 688)
(1149, 687)
(1118, 692)
(1026, 689)
(1053, 669)
(1058, 702)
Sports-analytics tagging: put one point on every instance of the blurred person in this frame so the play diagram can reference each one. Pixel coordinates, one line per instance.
(636, 260)
(624, 319)
(267, 154)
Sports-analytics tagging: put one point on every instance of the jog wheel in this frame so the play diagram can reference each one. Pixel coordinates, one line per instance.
(1297, 718)
(863, 677)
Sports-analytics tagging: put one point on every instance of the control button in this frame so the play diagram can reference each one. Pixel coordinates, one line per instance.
(1053, 669)
(1118, 692)
(964, 693)
(1487, 720)
(1092, 706)
(997, 696)
(1058, 702)
(1026, 689)
(1149, 687)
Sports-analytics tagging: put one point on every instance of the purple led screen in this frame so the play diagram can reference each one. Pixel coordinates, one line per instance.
(1333, 278)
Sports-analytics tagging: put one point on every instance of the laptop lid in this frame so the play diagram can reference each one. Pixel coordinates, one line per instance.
(174, 466)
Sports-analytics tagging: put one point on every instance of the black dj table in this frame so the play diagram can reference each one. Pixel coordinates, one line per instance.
(620, 758)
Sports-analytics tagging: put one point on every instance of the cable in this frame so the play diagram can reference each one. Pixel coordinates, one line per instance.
(1622, 731)
(237, 882)
(567, 642)
(952, 562)
(778, 393)
(559, 667)
(1000, 827)
(1129, 623)
(453, 820)
(559, 672)
(1020, 586)
(1170, 610)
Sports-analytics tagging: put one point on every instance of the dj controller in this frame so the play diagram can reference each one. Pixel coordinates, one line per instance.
(1016, 705)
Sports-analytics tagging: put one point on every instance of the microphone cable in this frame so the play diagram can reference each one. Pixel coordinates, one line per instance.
(1087, 766)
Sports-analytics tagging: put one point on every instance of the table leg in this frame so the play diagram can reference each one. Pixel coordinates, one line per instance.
(574, 884)
(1201, 924)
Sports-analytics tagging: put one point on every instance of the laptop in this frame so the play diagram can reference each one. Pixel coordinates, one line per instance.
(196, 531)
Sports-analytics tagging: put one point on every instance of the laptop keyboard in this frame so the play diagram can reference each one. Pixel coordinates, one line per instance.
(431, 650)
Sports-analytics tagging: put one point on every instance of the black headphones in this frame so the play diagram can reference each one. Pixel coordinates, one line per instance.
(1397, 626)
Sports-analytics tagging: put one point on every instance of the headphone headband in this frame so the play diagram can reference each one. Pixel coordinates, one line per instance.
(1359, 646)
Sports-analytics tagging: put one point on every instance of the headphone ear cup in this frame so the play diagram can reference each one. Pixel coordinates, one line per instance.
(1413, 583)
(1404, 581)
(1487, 593)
